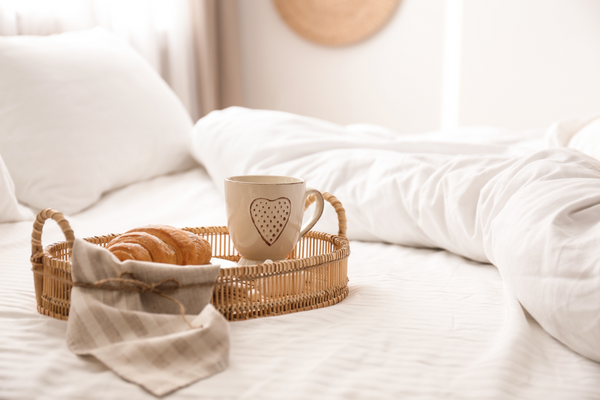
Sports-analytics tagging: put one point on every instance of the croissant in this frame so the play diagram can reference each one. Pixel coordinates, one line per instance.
(163, 244)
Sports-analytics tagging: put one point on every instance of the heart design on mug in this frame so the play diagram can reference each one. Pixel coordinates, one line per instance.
(270, 217)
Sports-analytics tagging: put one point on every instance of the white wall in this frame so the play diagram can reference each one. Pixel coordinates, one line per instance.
(521, 64)
(526, 63)
(391, 79)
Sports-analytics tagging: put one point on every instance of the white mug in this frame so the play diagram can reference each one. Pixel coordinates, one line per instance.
(264, 215)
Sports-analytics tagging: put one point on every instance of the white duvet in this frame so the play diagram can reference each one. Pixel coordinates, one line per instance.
(534, 215)
(417, 324)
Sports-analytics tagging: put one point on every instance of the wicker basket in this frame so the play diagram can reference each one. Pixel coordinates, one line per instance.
(313, 276)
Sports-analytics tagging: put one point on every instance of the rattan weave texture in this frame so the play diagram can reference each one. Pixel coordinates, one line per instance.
(314, 275)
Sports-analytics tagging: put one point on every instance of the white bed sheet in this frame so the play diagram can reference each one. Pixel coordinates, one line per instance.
(418, 324)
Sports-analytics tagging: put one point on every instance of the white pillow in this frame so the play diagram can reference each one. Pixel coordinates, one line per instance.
(587, 139)
(580, 134)
(82, 113)
(10, 209)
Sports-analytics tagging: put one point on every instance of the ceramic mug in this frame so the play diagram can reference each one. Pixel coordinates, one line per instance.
(264, 215)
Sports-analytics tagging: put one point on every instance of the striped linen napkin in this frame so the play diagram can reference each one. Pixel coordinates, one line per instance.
(129, 316)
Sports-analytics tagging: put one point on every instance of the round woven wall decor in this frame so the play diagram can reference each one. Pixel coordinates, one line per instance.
(335, 22)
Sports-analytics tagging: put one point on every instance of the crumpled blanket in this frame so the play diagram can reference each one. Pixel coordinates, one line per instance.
(138, 330)
(534, 215)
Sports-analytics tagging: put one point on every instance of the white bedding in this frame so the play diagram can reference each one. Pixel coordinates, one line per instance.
(418, 323)
(533, 214)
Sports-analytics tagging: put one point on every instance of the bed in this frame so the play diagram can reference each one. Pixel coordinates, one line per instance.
(427, 316)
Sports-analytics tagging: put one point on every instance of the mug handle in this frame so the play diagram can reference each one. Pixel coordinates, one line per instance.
(318, 210)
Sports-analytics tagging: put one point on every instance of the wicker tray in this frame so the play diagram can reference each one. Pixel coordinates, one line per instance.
(313, 276)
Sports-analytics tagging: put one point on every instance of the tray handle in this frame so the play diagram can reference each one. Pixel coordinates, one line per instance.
(37, 250)
(339, 209)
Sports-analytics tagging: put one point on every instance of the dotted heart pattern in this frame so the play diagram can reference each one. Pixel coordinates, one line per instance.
(270, 217)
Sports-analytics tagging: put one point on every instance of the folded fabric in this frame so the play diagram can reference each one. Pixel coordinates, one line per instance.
(133, 322)
(535, 215)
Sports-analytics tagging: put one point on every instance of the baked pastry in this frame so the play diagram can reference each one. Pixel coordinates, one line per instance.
(163, 244)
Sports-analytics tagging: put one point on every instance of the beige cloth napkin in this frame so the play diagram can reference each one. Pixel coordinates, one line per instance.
(142, 337)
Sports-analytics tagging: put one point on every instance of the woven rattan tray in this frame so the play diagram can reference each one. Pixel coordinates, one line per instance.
(313, 276)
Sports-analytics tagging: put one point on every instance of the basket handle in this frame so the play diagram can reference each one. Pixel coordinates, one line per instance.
(339, 209)
(37, 251)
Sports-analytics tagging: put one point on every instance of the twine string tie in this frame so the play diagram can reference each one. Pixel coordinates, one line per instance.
(129, 282)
